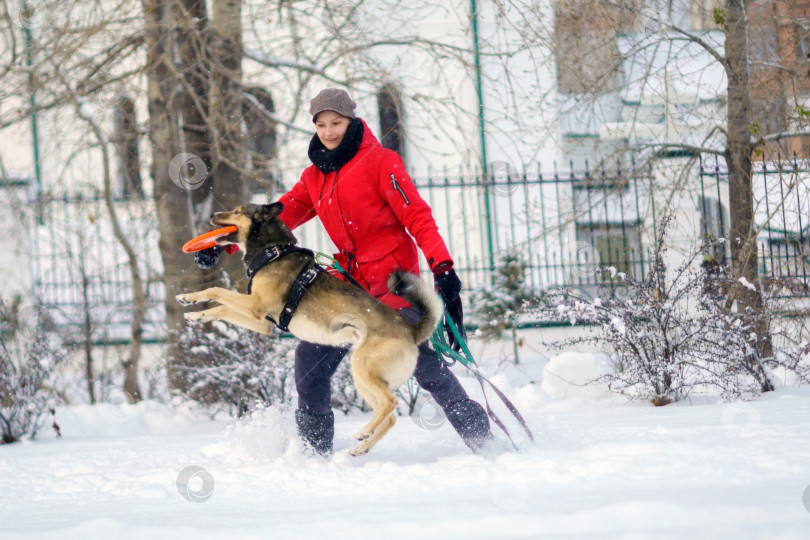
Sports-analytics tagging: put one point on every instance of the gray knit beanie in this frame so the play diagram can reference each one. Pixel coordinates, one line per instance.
(332, 99)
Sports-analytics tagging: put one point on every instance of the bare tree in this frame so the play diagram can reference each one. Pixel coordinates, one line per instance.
(58, 38)
(201, 105)
(739, 137)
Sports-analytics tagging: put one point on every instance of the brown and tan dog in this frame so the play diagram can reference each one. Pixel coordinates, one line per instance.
(331, 312)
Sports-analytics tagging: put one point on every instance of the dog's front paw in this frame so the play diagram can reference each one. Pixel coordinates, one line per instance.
(197, 317)
(184, 299)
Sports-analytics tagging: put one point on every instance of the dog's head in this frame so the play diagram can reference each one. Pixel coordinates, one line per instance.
(258, 226)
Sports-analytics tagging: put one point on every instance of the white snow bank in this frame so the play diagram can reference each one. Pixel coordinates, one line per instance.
(702, 471)
(123, 420)
(699, 472)
(569, 376)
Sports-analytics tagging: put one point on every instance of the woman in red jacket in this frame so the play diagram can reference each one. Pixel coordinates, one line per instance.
(372, 212)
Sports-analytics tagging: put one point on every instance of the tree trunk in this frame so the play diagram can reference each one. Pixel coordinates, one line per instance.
(87, 332)
(229, 151)
(174, 80)
(194, 92)
(741, 205)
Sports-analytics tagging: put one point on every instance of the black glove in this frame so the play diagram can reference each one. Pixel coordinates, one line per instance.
(207, 258)
(449, 285)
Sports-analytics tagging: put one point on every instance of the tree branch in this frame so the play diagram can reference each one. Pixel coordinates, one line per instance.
(694, 39)
(270, 61)
(272, 116)
(781, 135)
(687, 147)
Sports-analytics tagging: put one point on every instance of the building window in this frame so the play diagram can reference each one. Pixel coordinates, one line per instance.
(389, 101)
(616, 246)
(763, 45)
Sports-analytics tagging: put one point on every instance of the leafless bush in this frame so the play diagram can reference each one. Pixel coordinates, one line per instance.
(672, 335)
(30, 353)
(237, 368)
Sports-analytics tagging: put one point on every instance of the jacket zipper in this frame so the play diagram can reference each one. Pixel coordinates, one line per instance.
(398, 188)
(331, 191)
(334, 183)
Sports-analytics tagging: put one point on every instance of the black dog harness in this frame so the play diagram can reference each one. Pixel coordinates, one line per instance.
(305, 278)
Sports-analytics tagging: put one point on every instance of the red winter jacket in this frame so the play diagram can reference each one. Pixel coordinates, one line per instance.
(368, 207)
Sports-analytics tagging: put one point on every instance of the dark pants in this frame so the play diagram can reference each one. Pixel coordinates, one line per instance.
(315, 365)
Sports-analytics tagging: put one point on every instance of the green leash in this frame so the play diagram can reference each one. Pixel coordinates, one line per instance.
(444, 350)
(334, 262)
(336, 266)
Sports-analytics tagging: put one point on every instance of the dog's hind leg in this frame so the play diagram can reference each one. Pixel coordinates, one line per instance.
(381, 430)
(368, 384)
(377, 366)
(224, 313)
(368, 396)
(384, 404)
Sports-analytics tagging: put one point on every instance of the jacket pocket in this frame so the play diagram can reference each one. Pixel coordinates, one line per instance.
(375, 253)
(374, 269)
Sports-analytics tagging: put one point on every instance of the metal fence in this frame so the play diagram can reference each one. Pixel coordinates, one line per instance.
(80, 273)
(566, 227)
(781, 194)
(563, 226)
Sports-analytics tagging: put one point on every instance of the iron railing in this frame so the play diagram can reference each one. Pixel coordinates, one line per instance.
(567, 227)
(80, 273)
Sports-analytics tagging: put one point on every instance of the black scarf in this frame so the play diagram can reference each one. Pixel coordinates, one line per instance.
(331, 160)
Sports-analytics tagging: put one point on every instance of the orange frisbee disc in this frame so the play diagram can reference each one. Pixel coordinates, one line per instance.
(207, 240)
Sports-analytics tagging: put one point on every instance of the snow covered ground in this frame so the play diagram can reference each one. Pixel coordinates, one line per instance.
(601, 468)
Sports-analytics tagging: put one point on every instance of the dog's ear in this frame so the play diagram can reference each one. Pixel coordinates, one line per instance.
(266, 212)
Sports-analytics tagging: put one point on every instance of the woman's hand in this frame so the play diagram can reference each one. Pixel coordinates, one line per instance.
(208, 258)
(448, 284)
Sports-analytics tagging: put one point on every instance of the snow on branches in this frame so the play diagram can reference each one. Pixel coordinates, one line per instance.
(236, 368)
(30, 353)
(672, 335)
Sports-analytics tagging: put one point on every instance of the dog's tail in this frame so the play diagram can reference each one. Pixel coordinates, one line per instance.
(420, 296)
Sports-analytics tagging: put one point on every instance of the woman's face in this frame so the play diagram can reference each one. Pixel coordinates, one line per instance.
(331, 127)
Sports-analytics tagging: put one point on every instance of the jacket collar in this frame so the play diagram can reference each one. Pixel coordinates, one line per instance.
(357, 136)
